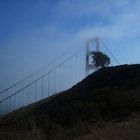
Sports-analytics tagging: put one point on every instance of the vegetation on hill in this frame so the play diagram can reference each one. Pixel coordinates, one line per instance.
(109, 95)
(100, 59)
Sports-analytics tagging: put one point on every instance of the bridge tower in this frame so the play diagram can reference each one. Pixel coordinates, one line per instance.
(89, 53)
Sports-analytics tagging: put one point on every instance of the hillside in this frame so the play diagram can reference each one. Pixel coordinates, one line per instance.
(104, 106)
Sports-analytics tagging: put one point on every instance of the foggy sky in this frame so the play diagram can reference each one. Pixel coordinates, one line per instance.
(34, 32)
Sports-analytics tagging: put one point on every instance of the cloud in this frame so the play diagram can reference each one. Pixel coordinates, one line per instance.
(69, 24)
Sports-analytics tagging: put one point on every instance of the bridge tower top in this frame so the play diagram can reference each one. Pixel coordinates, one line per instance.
(89, 53)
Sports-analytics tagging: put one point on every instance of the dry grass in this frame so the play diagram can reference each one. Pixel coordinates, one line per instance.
(126, 130)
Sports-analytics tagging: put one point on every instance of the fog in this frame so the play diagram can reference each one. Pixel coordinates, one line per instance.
(34, 34)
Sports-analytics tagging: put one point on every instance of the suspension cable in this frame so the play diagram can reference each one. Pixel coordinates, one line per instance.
(31, 75)
(106, 46)
(44, 75)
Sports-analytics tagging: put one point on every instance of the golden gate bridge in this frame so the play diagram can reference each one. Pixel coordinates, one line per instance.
(61, 76)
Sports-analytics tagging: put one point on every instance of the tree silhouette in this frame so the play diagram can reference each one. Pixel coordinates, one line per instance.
(100, 59)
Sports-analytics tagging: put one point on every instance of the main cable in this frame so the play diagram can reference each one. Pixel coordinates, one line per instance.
(110, 52)
(31, 75)
(40, 77)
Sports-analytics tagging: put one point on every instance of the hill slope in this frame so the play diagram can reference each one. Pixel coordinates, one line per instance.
(89, 109)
